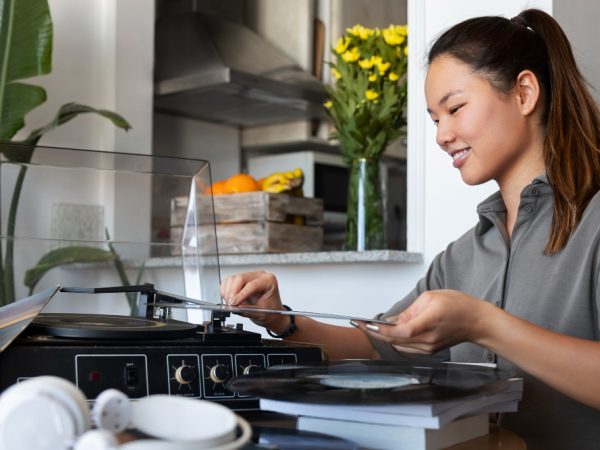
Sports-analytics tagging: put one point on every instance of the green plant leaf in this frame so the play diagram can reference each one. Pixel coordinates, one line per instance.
(19, 99)
(25, 51)
(64, 256)
(69, 111)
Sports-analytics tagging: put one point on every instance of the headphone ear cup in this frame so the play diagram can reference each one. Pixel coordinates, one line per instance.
(111, 411)
(42, 413)
(176, 419)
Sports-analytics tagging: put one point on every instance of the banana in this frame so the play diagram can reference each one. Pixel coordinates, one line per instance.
(290, 181)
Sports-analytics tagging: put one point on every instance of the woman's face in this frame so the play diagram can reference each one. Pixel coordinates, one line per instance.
(482, 130)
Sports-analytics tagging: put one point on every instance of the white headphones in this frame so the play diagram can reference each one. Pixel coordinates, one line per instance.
(50, 413)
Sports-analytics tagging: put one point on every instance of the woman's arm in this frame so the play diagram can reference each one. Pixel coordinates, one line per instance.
(261, 290)
(439, 319)
(568, 364)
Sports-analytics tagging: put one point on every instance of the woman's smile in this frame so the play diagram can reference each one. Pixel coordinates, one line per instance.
(459, 156)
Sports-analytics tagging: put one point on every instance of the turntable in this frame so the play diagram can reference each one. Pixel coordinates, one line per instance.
(146, 354)
(119, 204)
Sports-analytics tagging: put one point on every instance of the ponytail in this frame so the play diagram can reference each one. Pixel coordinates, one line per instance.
(533, 40)
(572, 144)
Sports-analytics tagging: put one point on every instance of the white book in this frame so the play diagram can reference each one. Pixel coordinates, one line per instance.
(342, 412)
(394, 437)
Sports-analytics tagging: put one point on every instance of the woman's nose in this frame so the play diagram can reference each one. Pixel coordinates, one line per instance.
(444, 134)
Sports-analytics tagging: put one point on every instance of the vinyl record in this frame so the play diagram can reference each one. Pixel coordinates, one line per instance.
(103, 326)
(369, 382)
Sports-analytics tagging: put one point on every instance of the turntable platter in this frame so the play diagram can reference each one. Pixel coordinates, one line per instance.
(102, 326)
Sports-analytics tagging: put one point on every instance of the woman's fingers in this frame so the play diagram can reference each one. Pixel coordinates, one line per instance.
(250, 288)
(233, 284)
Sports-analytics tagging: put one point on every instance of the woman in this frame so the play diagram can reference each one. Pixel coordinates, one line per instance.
(521, 287)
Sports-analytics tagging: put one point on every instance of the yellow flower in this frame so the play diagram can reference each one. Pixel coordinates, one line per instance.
(371, 95)
(342, 45)
(382, 67)
(351, 55)
(393, 76)
(366, 63)
(328, 104)
(402, 30)
(360, 32)
(336, 73)
(372, 77)
(391, 37)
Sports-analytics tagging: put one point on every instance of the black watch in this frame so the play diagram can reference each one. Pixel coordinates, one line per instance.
(291, 329)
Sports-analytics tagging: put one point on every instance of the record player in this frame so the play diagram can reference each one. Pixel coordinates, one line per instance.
(146, 354)
(119, 204)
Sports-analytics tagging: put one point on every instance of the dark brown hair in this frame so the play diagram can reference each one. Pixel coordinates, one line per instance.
(500, 49)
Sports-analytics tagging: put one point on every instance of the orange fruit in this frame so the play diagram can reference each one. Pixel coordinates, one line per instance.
(240, 183)
(217, 188)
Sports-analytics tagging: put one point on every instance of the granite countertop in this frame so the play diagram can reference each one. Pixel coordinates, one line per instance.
(334, 257)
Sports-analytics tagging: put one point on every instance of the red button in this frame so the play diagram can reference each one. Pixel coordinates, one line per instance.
(94, 375)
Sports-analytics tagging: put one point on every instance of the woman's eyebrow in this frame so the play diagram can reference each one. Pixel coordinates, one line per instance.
(445, 98)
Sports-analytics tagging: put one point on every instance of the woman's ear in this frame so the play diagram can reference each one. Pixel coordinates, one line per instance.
(528, 92)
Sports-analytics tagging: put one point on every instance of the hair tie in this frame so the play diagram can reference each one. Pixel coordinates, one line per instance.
(519, 20)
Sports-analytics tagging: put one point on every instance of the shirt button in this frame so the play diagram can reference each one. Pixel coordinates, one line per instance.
(535, 192)
(528, 209)
(488, 356)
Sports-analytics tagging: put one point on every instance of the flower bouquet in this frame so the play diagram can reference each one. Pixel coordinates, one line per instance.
(367, 106)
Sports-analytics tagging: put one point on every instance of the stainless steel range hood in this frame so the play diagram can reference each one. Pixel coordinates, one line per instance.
(219, 71)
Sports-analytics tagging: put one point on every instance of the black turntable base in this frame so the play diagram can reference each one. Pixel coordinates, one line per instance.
(142, 356)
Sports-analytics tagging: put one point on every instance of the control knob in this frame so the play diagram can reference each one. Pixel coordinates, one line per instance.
(185, 374)
(220, 373)
(251, 368)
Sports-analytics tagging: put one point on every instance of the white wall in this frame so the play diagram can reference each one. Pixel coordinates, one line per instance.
(580, 22)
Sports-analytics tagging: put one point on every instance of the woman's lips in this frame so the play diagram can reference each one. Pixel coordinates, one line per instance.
(459, 157)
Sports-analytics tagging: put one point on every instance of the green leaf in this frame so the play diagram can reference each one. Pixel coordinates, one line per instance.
(64, 256)
(19, 99)
(25, 39)
(25, 51)
(68, 112)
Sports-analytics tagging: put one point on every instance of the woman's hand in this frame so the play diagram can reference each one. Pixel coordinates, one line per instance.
(257, 289)
(436, 320)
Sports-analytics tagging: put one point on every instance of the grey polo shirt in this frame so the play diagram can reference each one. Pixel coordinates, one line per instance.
(558, 292)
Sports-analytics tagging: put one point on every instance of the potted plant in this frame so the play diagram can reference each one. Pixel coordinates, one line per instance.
(367, 105)
(26, 35)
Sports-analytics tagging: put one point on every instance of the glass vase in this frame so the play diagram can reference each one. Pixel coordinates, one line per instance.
(365, 228)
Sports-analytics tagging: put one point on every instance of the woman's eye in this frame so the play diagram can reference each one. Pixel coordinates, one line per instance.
(455, 109)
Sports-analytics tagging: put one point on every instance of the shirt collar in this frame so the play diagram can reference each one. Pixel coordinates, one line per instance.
(494, 203)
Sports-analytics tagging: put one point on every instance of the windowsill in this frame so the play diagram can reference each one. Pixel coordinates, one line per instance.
(335, 257)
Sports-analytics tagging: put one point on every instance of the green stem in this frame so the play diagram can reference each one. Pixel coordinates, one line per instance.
(4, 69)
(365, 229)
(9, 279)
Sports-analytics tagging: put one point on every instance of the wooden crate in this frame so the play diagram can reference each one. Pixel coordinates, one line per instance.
(259, 222)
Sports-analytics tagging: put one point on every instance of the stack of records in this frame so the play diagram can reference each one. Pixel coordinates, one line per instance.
(387, 405)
